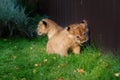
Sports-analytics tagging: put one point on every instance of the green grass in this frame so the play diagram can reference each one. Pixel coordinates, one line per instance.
(22, 59)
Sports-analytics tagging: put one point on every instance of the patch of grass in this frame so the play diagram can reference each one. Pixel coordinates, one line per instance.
(22, 59)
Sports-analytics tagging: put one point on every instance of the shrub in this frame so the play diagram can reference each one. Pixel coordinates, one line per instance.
(14, 21)
(33, 7)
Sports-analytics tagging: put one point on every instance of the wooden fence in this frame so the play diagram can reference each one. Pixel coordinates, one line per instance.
(103, 18)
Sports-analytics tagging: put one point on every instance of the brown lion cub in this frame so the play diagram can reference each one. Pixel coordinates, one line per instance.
(80, 31)
(49, 27)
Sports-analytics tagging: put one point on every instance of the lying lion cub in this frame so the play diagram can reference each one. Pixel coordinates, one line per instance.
(60, 41)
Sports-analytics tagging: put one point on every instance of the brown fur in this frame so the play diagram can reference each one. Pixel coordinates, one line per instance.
(69, 38)
(80, 31)
(61, 43)
(49, 27)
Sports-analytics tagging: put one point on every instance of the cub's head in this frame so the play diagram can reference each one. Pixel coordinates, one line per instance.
(42, 27)
(80, 31)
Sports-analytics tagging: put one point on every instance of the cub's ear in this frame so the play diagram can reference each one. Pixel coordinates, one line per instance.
(84, 22)
(44, 23)
(68, 28)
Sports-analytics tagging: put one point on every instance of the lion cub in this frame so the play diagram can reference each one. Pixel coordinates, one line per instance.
(80, 31)
(49, 27)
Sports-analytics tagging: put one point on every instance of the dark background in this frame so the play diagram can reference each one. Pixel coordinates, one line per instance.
(103, 18)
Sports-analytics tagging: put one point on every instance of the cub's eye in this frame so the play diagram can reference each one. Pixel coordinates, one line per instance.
(78, 37)
(84, 33)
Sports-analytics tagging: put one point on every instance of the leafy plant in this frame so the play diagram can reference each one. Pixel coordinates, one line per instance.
(14, 20)
(33, 7)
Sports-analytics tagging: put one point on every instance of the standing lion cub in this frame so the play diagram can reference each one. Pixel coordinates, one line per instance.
(62, 40)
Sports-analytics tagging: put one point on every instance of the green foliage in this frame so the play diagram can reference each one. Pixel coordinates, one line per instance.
(14, 21)
(22, 59)
(33, 7)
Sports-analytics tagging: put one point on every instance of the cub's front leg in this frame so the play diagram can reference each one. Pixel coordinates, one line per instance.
(76, 49)
(49, 48)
